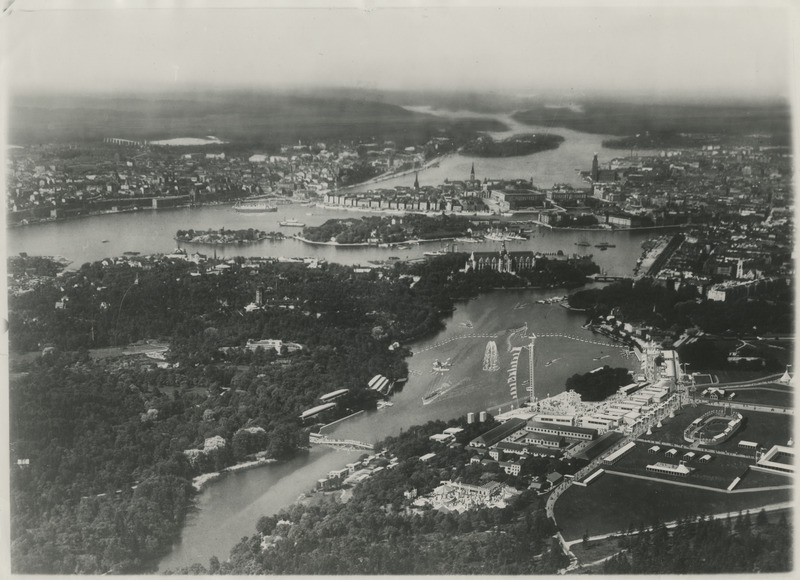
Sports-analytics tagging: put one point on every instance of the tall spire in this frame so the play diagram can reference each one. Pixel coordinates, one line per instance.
(472, 172)
(416, 180)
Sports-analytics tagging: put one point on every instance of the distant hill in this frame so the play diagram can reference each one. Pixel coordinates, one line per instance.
(626, 118)
(265, 119)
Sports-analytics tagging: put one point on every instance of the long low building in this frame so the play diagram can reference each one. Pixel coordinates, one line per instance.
(679, 470)
(316, 410)
(498, 433)
(612, 458)
(327, 397)
(585, 433)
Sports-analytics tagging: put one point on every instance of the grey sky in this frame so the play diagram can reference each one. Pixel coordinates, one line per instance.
(737, 49)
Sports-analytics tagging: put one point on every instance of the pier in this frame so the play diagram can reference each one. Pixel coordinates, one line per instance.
(319, 439)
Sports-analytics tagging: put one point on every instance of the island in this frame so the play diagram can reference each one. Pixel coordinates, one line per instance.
(388, 230)
(223, 236)
(515, 146)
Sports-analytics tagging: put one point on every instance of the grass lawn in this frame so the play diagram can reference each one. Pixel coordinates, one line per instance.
(612, 503)
(766, 429)
(773, 395)
(717, 473)
(734, 376)
(755, 478)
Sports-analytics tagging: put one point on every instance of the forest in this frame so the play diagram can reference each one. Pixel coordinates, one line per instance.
(515, 146)
(600, 384)
(701, 545)
(389, 230)
(646, 301)
(108, 483)
(377, 531)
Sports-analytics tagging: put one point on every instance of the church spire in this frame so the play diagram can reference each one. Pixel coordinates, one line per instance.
(416, 180)
(472, 172)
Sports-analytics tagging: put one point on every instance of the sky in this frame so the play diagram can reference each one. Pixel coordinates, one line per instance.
(739, 49)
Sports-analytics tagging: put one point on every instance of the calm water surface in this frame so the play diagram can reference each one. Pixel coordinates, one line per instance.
(228, 509)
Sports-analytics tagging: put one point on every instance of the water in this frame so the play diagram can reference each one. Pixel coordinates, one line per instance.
(562, 165)
(467, 387)
(149, 232)
(229, 508)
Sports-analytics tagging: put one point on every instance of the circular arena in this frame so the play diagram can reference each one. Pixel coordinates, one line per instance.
(713, 428)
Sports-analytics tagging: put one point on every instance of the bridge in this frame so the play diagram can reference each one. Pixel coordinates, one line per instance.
(459, 337)
(128, 142)
(319, 439)
(604, 278)
(587, 341)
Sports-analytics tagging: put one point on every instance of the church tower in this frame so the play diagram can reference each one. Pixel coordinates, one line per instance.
(472, 172)
(416, 181)
(595, 169)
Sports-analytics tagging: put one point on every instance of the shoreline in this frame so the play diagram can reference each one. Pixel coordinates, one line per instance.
(199, 482)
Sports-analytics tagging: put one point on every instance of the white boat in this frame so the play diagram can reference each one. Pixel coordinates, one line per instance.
(254, 207)
(292, 223)
(436, 253)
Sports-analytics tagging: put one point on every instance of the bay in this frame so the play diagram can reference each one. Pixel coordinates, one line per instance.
(227, 509)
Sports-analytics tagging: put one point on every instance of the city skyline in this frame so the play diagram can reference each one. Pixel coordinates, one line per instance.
(572, 50)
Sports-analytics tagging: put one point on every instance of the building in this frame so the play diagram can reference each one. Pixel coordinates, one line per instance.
(502, 261)
(498, 433)
(612, 458)
(584, 433)
(518, 199)
(679, 470)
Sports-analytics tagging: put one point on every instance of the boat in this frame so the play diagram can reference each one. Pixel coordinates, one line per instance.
(292, 223)
(604, 245)
(384, 404)
(105, 241)
(583, 243)
(441, 367)
(254, 207)
(436, 253)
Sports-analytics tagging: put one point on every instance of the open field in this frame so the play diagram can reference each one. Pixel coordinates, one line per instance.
(717, 473)
(612, 503)
(766, 429)
(776, 394)
(754, 479)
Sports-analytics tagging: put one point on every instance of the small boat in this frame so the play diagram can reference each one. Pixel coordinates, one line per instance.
(292, 223)
(254, 207)
(104, 241)
(604, 245)
(436, 253)
(583, 243)
(441, 367)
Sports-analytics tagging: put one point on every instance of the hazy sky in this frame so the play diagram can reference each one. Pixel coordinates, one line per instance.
(737, 49)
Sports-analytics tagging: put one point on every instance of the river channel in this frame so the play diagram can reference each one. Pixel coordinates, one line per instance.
(229, 508)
